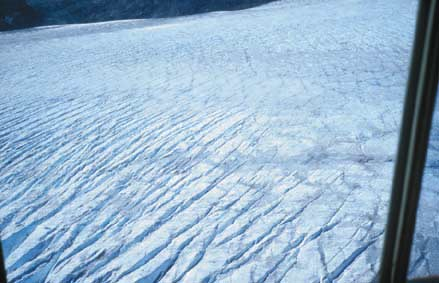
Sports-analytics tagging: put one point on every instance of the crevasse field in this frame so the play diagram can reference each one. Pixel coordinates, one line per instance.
(246, 146)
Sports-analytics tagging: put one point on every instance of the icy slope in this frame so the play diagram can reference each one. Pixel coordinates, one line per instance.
(249, 146)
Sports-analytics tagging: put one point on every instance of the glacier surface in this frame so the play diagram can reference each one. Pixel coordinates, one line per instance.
(245, 146)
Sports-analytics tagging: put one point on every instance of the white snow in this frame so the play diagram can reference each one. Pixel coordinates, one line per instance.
(245, 146)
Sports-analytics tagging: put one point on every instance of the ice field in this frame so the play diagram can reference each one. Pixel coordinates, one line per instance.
(246, 146)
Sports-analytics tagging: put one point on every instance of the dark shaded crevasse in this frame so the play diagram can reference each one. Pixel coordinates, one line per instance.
(26, 13)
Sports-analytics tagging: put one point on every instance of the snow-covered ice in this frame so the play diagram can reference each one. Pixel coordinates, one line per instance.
(245, 146)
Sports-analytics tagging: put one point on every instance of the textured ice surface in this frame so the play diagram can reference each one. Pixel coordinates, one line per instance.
(249, 146)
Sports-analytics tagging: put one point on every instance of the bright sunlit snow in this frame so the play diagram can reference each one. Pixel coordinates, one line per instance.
(247, 146)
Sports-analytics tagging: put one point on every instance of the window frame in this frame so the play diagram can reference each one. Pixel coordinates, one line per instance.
(413, 145)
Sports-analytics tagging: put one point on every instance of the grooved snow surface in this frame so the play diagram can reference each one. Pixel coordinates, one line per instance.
(248, 146)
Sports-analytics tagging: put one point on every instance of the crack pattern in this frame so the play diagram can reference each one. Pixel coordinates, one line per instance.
(245, 146)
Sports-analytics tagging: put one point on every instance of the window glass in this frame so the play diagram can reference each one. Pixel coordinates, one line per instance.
(424, 259)
(254, 145)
